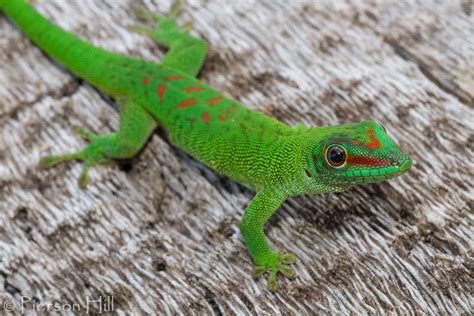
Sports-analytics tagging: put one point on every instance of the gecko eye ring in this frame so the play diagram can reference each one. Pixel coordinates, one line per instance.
(336, 156)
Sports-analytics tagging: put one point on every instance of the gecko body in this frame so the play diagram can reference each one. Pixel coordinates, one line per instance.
(268, 156)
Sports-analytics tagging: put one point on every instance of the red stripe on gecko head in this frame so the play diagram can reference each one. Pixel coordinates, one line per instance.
(160, 91)
(186, 102)
(373, 142)
(366, 160)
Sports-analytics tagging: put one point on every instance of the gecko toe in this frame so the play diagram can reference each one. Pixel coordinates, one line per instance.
(83, 179)
(278, 263)
(83, 132)
(287, 271)
(272, 281)
(258, 271)
(287, 258)
(50, 161)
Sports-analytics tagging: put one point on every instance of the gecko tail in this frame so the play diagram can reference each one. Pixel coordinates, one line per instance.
(5, 4)
(66, 48)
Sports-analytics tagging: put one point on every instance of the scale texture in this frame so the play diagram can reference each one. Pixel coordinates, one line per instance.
(169, 226)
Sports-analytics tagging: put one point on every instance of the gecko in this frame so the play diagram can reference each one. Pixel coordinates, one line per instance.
(273, 159)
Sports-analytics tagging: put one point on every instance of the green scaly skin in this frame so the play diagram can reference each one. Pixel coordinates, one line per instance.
(268, 156)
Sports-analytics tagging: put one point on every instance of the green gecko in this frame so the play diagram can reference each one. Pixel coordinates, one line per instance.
(264, 154)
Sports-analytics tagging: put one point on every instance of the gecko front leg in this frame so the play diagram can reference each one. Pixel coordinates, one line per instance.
(259, 210)
(136, 125)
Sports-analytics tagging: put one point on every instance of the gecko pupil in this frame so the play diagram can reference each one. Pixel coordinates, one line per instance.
(336, 156)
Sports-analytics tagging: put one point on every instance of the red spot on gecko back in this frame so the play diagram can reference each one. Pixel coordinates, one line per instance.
(145, 80)
(355, 142)
(205, 117)
(222, 117)
(174, 77)
(186, 102)
(213, 100)
(193, 88)
(373, 141)
(231, 108)
(367, 160)
(160, 91)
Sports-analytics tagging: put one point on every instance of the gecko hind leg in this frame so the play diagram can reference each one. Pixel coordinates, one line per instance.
(185, 52)
(136, 125)
(166, 32)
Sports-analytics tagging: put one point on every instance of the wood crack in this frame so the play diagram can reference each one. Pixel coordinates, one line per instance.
(69, 89)
(446, 85)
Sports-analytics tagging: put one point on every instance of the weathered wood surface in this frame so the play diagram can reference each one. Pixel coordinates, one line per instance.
(163, 237)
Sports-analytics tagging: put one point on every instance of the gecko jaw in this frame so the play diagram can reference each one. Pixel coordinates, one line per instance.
(375, 174)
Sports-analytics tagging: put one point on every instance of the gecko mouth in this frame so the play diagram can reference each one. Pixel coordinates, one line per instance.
(375, 174)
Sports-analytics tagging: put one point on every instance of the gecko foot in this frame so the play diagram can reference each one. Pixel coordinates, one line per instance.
(166, 31)
(277, 263)
(92, 154)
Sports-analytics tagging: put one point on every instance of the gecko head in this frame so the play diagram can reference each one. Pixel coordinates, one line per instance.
(343, 155)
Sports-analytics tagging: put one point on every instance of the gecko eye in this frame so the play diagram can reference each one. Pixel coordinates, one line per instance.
(336, 155)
